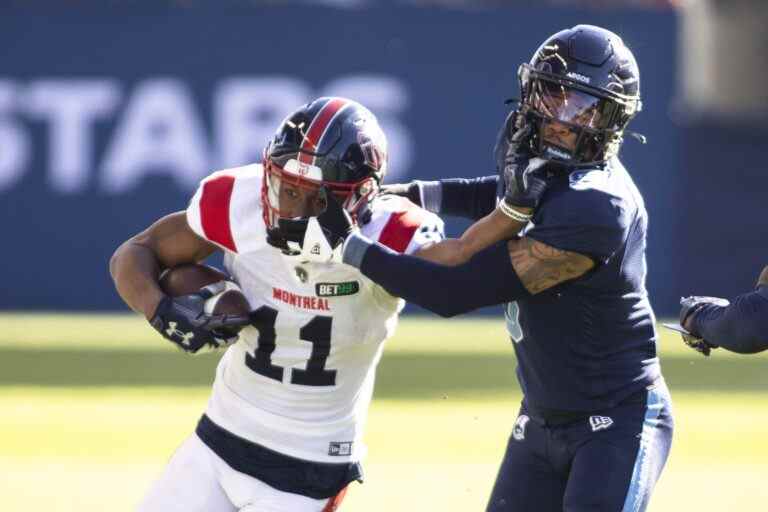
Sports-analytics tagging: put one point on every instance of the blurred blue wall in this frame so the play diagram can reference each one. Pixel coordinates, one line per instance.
(108, 119)
(723, 244)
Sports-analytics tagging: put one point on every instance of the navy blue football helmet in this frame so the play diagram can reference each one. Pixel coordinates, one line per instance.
(330, 142)
(578, 93)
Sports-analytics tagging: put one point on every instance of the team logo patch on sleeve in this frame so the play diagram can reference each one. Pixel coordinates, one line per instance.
(337, 289)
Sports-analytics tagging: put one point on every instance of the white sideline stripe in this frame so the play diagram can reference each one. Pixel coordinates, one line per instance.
(640, 474)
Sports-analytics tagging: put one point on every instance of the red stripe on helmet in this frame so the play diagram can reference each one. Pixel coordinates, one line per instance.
(214, 211)
(317, 129)
(400, 228)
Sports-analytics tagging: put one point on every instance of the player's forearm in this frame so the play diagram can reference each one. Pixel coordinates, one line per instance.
(450, 251)
(487, 231)
(485, 280)
(740, 327)
(469, 198)
(492, 228)
(135, 271)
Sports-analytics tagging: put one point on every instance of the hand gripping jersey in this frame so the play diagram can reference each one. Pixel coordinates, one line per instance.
(301, 384)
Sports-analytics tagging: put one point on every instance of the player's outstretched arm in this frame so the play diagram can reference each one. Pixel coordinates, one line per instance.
(541, 266)
(504, 272)
(136, 264)
(485, 232)
(740, 326)
(182, 320)
(471, 198)
(525, 184)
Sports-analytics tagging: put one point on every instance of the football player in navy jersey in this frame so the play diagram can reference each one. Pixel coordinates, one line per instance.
(595, 425)
(741, 326)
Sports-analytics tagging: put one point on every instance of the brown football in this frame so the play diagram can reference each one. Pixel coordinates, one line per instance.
(190, 277)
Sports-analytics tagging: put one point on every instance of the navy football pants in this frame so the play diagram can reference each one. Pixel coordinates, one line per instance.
(608, 462)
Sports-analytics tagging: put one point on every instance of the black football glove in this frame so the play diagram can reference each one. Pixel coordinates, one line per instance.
(503, 141)
(335, 221)
(320, 238)
(183, 321)
(697, 344)
(511, 141)
(688, 307)
(276, 238)
(525, 176)
(525, 181)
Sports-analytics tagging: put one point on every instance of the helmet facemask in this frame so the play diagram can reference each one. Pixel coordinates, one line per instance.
(571, 122)
(305, 180)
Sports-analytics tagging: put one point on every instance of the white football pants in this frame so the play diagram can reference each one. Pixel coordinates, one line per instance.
(198, 480)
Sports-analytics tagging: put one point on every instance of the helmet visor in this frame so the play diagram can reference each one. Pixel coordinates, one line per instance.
(572, 106)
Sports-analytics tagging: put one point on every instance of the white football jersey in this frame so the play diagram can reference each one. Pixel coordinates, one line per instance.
(302, 383)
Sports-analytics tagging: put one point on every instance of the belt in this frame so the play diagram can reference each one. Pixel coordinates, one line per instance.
(557, 417)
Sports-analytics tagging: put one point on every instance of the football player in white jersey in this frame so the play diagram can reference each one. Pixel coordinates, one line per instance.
(283, 428)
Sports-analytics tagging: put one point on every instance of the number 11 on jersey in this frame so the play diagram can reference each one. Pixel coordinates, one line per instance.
(317, 332)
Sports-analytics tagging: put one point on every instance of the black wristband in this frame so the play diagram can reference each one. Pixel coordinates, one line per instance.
(470, 198)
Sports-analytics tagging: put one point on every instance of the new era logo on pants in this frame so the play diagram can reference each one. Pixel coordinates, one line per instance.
(600, 422)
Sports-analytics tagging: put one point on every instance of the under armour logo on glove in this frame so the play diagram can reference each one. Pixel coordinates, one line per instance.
(183, 321)
(183, 337)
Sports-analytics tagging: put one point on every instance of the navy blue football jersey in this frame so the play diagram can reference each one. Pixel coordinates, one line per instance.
(590, 343)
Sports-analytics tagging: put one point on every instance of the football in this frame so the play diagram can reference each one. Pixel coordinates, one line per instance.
(189, 278)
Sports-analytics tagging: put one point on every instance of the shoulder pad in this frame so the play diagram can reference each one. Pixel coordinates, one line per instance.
(226, 209)
(401, 225)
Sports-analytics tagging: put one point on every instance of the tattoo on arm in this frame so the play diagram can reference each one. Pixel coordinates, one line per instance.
(541, 266)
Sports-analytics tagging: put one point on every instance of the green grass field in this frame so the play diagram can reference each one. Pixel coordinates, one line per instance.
(92, 407)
